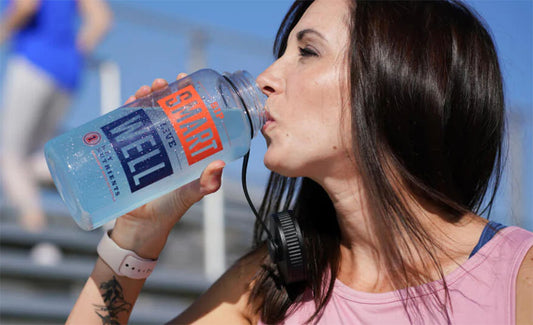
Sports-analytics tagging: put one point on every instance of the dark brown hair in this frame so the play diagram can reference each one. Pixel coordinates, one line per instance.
(427, 112)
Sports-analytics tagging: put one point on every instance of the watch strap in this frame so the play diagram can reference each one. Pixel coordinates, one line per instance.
(122, 261)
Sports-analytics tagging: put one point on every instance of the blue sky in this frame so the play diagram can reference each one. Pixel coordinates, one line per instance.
(154, 44)
(509, 20)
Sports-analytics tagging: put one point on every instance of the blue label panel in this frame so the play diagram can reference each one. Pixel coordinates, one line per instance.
(139, 149)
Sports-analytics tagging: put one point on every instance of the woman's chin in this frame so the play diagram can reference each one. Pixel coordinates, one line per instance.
(275, 166)
(280, 167)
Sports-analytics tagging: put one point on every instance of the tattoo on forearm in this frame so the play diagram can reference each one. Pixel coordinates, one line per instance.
(114, 302)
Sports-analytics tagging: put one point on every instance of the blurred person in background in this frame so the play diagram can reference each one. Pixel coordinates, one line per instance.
(384, 130)
(48, 47)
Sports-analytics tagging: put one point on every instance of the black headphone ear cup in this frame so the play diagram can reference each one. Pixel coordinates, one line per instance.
(286, 247)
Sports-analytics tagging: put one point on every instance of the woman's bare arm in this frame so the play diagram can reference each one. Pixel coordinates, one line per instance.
(96, 21)
(226, 301)
(524, 291)
(106, 298)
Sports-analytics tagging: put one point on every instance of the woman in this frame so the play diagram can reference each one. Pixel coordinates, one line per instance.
(386, 122)
(42, 75)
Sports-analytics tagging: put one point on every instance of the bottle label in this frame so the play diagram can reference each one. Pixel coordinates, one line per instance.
(139, 148)
(193, 123)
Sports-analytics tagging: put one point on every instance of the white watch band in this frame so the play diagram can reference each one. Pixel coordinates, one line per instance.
(122, 261)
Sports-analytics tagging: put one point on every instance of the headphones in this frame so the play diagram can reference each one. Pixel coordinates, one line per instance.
(286, 247)
(284, 239)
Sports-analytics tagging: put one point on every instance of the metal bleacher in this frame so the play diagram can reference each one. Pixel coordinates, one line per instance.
(31, 293)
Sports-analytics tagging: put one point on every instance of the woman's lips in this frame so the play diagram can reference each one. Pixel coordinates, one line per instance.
(268, 120)
(268, 116)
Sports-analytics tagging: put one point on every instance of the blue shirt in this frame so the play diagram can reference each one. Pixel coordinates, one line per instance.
(48, 40)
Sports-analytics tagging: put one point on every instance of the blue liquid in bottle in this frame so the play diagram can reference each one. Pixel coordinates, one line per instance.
(136, 153)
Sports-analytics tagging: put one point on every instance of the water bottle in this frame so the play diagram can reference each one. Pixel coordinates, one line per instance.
(147, 148)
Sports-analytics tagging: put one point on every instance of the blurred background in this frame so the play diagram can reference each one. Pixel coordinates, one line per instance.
(152, 39)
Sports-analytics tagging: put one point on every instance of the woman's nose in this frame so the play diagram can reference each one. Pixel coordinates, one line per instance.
(269, 81)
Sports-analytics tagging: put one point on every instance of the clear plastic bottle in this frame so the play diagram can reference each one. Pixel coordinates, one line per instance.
(147, 148)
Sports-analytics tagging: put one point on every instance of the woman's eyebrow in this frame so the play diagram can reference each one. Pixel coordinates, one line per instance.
(301, 34)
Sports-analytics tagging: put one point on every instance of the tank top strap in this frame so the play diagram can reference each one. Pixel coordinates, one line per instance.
(491, 228)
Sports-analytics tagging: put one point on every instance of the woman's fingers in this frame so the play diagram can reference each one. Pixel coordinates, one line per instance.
(159, 84)
(143, 91)
(211, 177)
(209, 182)
(130, 99)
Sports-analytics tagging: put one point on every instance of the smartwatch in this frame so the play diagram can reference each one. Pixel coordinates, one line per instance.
(122, 261)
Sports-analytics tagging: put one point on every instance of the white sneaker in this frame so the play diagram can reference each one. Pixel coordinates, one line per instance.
(46, 254)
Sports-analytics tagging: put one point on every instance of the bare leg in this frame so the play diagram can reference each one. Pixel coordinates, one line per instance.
(27, 96)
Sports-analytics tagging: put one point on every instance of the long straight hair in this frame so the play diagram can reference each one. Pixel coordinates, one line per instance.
(427, 112)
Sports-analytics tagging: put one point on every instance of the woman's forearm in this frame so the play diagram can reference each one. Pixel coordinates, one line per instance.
(97, 19)
(106, 298)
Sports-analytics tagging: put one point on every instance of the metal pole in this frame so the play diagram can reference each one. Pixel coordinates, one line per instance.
(213, 205)
(110, 88)
(516, 151)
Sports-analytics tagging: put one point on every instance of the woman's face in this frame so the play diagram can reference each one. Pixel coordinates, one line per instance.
(304, 89)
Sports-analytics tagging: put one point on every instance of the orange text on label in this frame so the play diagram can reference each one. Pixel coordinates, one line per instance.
(192, 122)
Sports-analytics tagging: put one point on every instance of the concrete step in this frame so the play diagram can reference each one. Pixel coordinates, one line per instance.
(14, 264)
(70, 238)
(32, 293)
(41, 307)
(184, 250)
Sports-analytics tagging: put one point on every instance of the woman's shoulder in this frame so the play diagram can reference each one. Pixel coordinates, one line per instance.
(524, 290)
(242, 275)
(516, 250)
(507, 251)
(227, 299)
(524, 286)
(517, 239)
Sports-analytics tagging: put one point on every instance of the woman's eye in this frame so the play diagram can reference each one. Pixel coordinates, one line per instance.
(305, 52)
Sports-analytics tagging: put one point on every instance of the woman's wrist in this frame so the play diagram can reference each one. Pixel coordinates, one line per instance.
(145, 240)
(124, 262)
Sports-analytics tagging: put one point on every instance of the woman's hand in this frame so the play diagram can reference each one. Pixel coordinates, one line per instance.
(145, 229)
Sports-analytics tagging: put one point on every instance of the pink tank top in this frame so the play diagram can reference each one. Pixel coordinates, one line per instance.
(482, 291)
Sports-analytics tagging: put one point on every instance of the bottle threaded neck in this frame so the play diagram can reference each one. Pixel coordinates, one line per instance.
(253, 98)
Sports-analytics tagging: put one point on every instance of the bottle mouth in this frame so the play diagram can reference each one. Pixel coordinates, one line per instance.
(252, 97)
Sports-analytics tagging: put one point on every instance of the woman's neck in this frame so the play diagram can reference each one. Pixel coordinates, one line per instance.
(362, 266)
